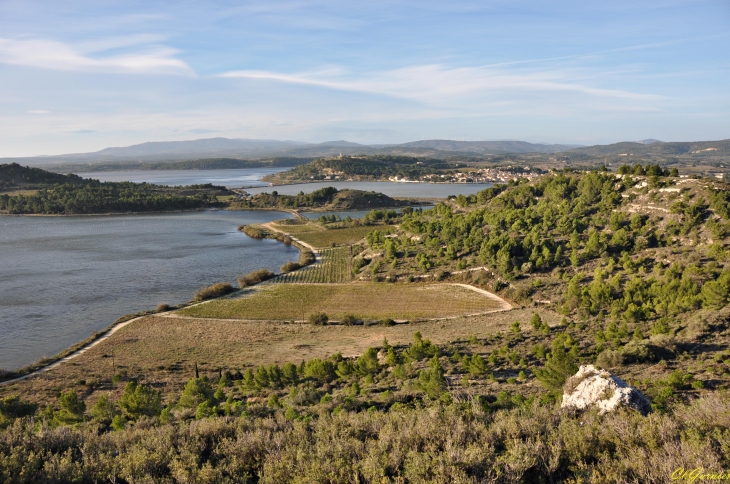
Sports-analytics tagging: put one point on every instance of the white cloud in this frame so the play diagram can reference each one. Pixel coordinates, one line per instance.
(440, 85)
(51, 54)
(38, 111)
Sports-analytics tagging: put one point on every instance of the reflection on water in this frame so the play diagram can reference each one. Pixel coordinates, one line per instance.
(62, 278)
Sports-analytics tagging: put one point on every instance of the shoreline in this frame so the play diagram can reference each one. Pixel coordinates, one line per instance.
(307, 182)
(47, 363)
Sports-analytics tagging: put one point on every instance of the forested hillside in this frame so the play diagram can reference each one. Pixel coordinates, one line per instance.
(364, 168)
(42, 192)
(13, 175)
(324, 198)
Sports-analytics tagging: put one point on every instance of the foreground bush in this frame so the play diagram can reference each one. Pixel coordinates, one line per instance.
(255, 277)
(216, 290)
(459, 442)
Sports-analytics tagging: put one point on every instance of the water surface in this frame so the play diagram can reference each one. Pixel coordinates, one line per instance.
(392, 189)
(62, 278)
(251, 177)
(233, 178)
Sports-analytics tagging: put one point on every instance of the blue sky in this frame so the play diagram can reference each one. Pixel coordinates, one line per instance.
(79, 76)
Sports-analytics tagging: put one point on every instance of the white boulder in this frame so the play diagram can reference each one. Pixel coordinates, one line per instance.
(594, 387)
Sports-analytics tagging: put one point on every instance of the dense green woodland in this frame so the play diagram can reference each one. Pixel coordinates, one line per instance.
(98, 198)
(370, 167)
(327, 197)
(13, 174)
(71, 194)
(574, 228)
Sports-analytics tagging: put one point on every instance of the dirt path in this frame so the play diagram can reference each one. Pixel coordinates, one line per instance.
(304, 244)
(74, 354)
(503, 305)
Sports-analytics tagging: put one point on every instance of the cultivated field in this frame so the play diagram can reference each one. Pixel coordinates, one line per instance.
(369, 301)
(315, 235)
(334, 267)
(296, 226)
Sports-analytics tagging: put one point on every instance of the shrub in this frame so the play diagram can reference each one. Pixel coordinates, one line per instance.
(318, 319)
(290, 266)
(609, 359)
(284, 238)
(138, 400)
(216, 290)
(306, 257)
(679, 379)
(71, 408)
(559, 366)
(13, 407)
(252, 232)
(637, 352)
(386, 322)
(536, 322)
(255, 277)
(349, 320)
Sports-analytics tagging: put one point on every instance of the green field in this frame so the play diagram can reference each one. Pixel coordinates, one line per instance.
(370, 301)
(293, 227)
(349, 235)
(334, 267)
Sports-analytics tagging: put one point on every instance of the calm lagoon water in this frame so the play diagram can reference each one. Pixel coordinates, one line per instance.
(251, 177)
(243, 177)
(411, 190)
(62, 278)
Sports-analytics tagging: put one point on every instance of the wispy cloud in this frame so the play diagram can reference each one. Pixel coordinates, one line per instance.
(51, 54)
(435, 84)
(38, 111)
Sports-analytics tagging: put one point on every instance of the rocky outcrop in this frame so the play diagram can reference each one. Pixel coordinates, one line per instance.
(594, 387)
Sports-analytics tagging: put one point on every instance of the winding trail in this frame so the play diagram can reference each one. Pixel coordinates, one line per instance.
(503, 306)
(317, 255)
(76, 353)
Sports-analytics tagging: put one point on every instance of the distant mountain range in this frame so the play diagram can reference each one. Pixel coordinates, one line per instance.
(259, 149)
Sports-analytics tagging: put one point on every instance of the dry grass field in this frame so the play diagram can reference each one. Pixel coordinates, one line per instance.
(369, 301)
(294, 227)
(162, 351)
(314, 234)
